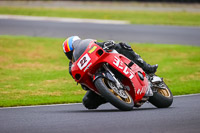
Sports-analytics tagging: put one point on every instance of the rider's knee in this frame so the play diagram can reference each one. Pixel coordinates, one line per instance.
(88, 103)
(92, 101)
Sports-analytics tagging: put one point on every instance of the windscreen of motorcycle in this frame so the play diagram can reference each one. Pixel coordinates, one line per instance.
(80, 47)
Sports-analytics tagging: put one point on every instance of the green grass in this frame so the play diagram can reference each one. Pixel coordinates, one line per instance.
(35, 70)
(134, 17)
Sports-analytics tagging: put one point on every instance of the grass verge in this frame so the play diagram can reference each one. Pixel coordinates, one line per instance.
(134, 17)
(35, 70)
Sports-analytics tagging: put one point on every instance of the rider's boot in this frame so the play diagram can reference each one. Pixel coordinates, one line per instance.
(147, 67)
(128, 52)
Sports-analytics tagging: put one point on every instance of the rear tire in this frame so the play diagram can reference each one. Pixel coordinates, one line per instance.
(163, 98)
(115, 99)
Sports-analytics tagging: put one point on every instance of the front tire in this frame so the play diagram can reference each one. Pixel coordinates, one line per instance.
(116, 100)
(163, 98)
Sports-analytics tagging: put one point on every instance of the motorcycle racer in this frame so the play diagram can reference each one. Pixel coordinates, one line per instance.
(74, 46)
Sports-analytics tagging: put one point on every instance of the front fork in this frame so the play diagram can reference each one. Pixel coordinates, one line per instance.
(118, 84)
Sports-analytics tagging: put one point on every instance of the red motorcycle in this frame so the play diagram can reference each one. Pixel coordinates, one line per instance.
(119, 80)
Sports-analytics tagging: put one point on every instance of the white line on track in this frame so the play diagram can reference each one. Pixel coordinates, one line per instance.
(57, 19)
(40, 106)
(187, 95)
(51, 105)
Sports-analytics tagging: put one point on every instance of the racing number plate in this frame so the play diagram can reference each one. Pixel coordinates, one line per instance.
(84, 61)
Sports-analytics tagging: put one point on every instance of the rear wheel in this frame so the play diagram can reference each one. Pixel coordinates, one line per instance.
(117, 97)
(163, 98)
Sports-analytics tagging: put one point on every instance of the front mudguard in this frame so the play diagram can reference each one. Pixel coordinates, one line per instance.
(105, 74)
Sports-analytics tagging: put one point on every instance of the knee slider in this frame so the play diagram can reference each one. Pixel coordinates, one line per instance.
(89, 103)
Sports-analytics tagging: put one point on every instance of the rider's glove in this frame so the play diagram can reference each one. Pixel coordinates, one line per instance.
(109, 45)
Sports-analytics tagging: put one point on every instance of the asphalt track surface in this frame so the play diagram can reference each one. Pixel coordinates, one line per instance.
(182, 117)
(127, 33)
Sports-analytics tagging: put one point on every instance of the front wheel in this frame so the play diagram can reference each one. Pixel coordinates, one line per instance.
(162, 98)
(121, 99)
